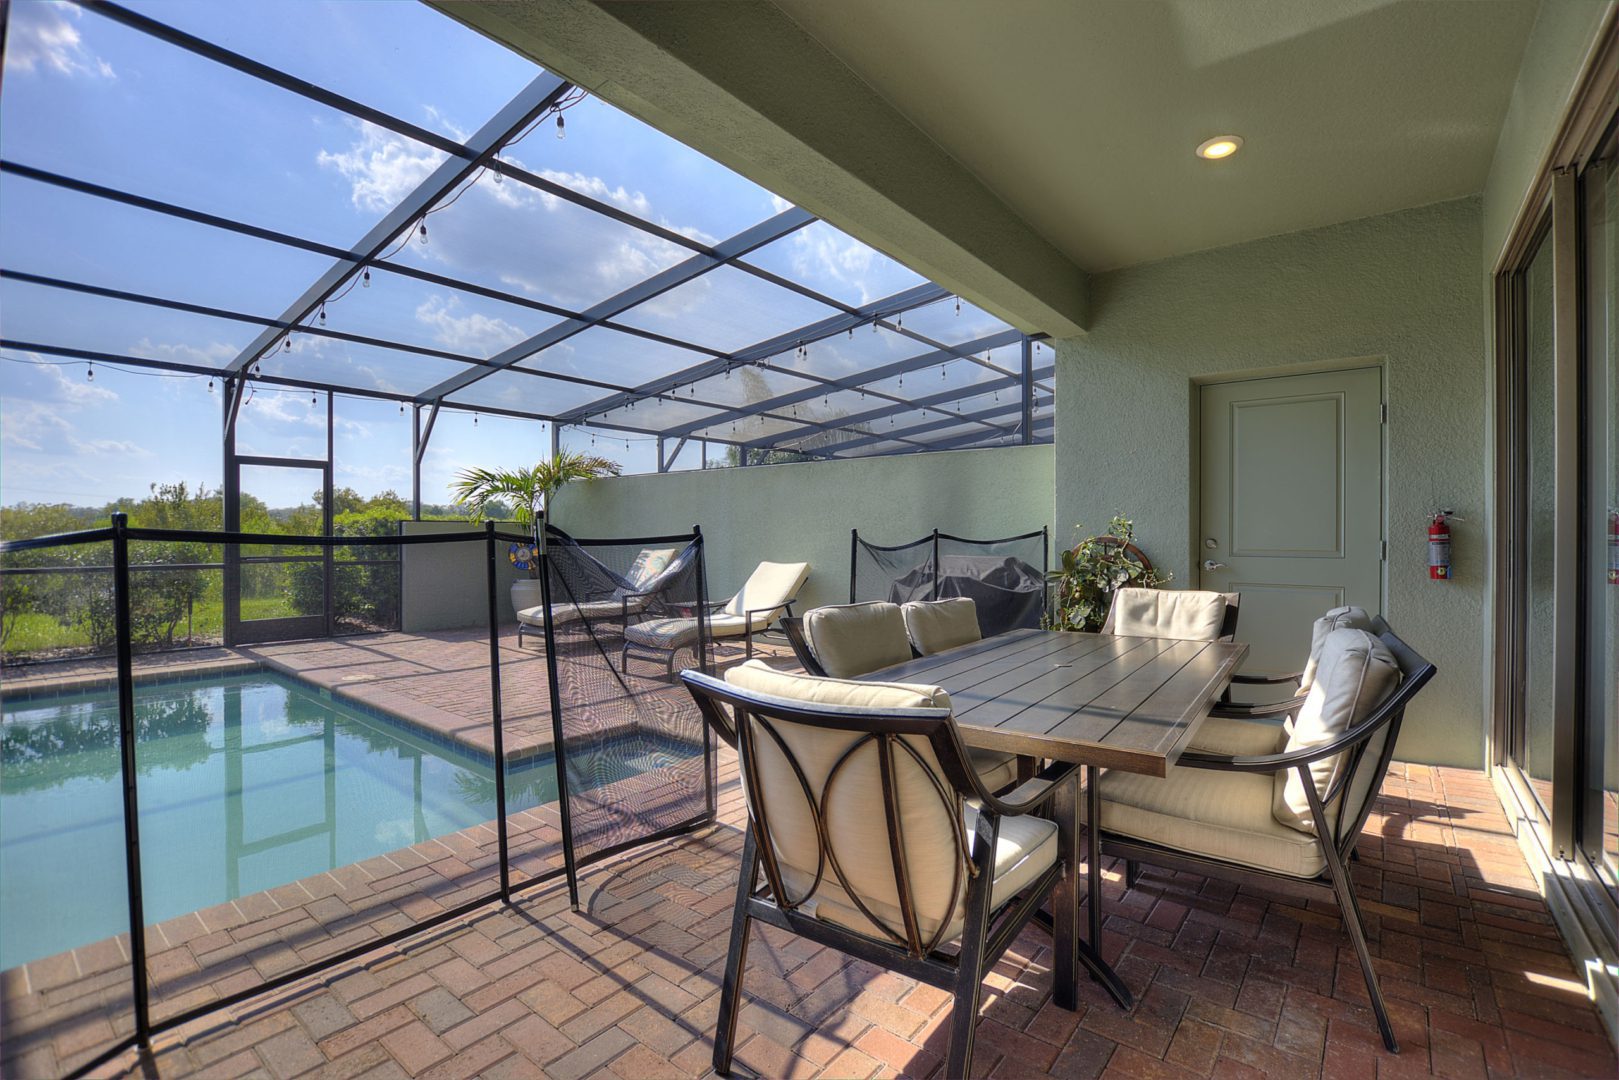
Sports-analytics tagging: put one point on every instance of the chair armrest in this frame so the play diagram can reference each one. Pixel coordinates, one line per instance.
(1267, 680)
(1054, 776)
(1263, 763)
(1236, 710)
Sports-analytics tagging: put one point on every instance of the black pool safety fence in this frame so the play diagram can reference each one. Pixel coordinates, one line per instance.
(633, 761)
(1005, 578)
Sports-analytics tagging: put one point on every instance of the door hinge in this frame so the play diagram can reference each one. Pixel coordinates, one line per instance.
(1385, 555)
(1385, 409)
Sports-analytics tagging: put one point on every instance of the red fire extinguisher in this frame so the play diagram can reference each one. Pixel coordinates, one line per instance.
(1439, 546)
(1613, 547)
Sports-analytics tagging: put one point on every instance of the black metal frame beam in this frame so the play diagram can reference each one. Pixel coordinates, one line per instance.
(532, 102)
(783, 224)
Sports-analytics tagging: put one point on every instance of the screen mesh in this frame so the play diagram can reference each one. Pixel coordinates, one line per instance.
(624, 616)
(1005, 578)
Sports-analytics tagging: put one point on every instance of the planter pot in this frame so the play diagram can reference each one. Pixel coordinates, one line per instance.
(526, 593)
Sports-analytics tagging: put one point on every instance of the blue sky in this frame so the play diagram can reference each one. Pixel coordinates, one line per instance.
(89, 98)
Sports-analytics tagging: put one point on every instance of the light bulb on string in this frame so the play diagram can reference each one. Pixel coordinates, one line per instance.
(562, 127)
(312, 401)
(90, 372)
(323, 313)
(286, 343)
(365, 279)
(401, 408)
(210, 384)
(474, 419)
(421, 231)
(958, 305)
(499, 176)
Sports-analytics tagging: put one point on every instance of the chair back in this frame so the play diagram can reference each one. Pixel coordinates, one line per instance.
(771, 587)
(1182, 614)
(793, 627)
(1349, 617)
(856, 795)
(936, 625)
(849, 640)
(1368, 676)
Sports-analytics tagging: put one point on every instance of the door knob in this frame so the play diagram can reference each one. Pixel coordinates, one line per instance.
(1210, 564)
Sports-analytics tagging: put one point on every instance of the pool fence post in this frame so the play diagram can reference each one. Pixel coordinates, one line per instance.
(494, 708)
(559, 747)
(126, 746)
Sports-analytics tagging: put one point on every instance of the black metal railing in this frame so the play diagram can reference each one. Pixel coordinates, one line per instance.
(120, 535)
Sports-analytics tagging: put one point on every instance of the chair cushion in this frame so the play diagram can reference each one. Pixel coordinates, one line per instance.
(1025, 848)
(934, 626)
(1183, 614)
(1339, 618)
(1238, 738)
(1221, 815)
(852, 639)
(771, 585)
(593, 609)
(996, 770)
(649, 564)
(665, 634)
(1355, 674)
(758, 677)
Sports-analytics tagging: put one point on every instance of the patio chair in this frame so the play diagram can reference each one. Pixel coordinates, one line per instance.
(1351, 617)
(1183, 614)
(936, 625)
(770, 590)
(628, 599)
(1284, 811)
(876, 838)
(845, 641)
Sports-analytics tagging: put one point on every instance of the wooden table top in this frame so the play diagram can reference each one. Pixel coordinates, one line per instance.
(1126, 703)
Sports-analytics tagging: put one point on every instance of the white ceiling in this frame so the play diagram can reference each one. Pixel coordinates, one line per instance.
(1082, 115)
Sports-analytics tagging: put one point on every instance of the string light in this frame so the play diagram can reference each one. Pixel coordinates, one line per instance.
(499, 176)
(90, 371)
(323, 313)
(474, 419)
(401, 408)
(958, 305)
(312, 401)
(210, 384)
(421, 230)
(286, 343)
(562, 127)
(365, 280)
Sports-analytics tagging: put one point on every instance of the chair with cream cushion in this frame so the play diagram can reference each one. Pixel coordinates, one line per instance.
(1281, 806)
(849, 640)
(936, 625)
(770, 591)
(628, 599)
(874, 836)
(1339, 618)
(1182, 614)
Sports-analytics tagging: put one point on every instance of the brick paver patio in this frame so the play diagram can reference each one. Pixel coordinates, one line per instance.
(1230, 982)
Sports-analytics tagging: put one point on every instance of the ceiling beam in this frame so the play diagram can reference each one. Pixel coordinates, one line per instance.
(741, 82)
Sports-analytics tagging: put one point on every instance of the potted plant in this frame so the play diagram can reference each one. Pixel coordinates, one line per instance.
(1092, 570)
(530, 491)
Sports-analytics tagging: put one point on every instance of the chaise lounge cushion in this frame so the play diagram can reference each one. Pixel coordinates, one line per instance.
(768, 589)
(853, 639)
(855, 818)
(936, 625)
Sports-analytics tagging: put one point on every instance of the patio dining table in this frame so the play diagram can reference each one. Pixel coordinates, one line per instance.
(1095, 700)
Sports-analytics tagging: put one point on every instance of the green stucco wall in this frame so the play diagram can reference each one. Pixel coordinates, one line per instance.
(803, 512)
(1400, 290)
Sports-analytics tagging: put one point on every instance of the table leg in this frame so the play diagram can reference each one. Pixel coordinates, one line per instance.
(1071, 951)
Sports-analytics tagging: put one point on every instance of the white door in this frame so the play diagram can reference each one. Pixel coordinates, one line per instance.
(1292, 504)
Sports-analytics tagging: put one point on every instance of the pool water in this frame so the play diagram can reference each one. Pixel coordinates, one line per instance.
(245, 783)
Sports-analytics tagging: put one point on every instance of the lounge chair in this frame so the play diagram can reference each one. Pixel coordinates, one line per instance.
(629, 598)
(769, 591)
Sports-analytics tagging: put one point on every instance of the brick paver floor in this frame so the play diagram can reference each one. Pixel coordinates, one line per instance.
(1231, 983)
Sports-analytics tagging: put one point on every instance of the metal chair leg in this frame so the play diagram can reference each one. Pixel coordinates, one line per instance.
(736, 960)
(970, 963)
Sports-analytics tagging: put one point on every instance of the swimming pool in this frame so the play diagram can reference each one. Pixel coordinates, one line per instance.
(246, 782)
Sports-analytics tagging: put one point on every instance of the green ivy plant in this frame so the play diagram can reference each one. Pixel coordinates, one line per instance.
(1089, 573)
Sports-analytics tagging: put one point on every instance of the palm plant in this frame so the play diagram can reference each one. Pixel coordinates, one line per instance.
(529, 490)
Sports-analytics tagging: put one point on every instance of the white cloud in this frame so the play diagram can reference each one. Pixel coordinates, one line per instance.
(475, 334)
(213, 354)
(40, 38)
(381, 167)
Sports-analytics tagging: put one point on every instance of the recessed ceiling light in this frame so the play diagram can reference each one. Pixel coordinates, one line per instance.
(1221, 146)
